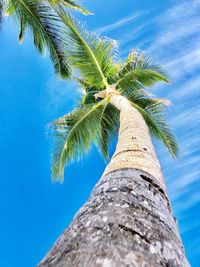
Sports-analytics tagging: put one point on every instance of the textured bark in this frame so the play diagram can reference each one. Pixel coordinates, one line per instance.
(127, 221)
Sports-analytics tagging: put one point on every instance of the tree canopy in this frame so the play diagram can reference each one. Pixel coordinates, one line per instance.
(96, 65)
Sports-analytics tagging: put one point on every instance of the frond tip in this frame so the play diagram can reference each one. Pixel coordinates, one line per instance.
(46, 26)
(73, 5)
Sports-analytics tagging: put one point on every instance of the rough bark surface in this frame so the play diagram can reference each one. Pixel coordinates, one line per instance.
(126, 222)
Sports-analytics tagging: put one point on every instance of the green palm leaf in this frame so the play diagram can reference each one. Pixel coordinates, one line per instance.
(109, 127)
(70, 4)
(91, 56)
(146, 77)
(45, 25)
(139, 80)
(74, 135)
(139, 60)
(138, 72)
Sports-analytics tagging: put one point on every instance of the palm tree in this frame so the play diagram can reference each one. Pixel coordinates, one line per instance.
(127, 220)
(41, 18)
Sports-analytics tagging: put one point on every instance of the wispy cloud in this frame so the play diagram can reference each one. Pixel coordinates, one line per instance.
(130, 35)
(180, 12)
(189, 201)
(188, 227)
(184, 64)
(59, 96)
(120, 23)
(190, 87)
(178, 29)
(176, 44)
(184, 181)
(183, 118)
(181, 32)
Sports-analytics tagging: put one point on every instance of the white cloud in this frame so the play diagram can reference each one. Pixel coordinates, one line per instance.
(186, 117)
(177, 28)
(120, 23)
(182, 31)
(176, 41)
(185, 181)
(55, 91)
(189, 227)
(190, 200)
(184, 64)
(130, 35)
(182, 11)
(186, 89)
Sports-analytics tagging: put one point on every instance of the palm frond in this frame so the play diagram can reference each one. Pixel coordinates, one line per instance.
(140, 78)
(87, 90)
(86, 86)
(74, 135)
(46, 26)
(109, 127)
(88, 98)
(153, 113)
(139, 60)
(126, 88)
(139, 72)
(88, 54)
(127, 66)
(72, 4)
(22, 32)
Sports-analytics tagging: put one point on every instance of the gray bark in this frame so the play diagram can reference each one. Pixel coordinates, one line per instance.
(127, 221)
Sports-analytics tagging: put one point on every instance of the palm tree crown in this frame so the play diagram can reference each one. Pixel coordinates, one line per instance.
(95, 120)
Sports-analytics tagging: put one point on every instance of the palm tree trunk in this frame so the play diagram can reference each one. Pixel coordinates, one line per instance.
(127, 220)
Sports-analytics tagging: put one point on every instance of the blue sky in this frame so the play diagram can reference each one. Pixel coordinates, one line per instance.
(33, 210)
